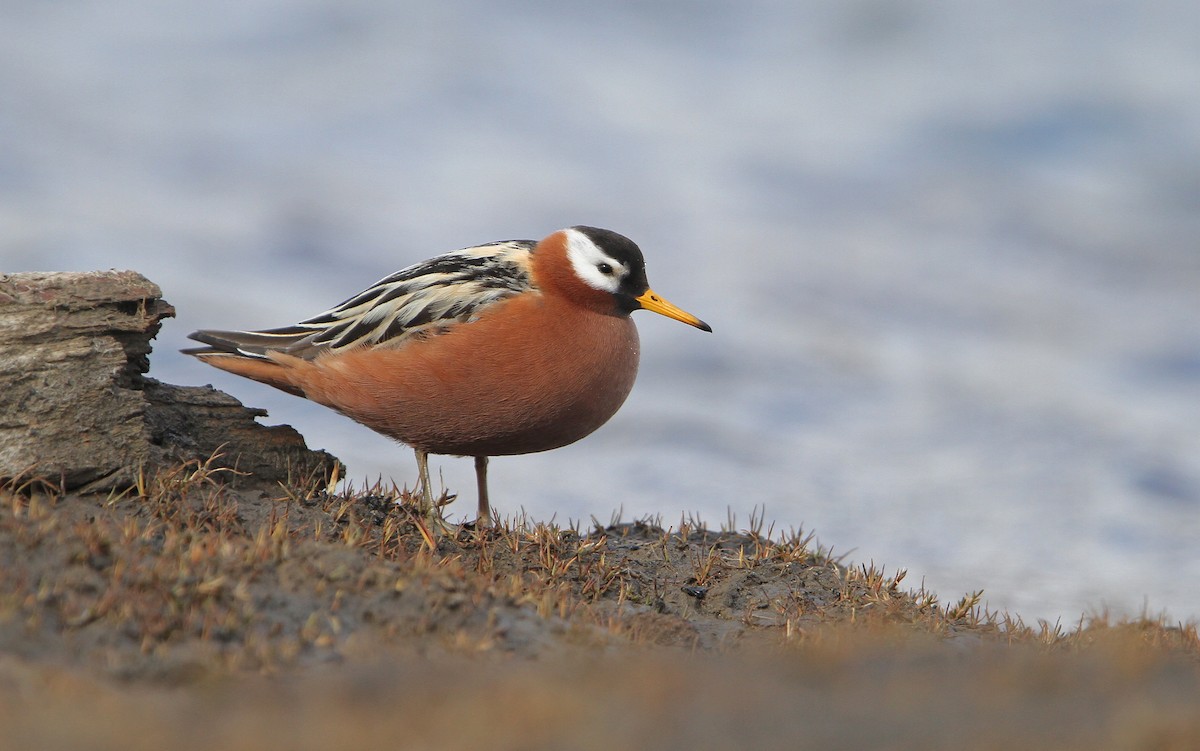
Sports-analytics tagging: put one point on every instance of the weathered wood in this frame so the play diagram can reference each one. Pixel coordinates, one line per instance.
(76, 409)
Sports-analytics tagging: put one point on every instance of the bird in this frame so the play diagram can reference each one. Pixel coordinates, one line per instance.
(505, 348)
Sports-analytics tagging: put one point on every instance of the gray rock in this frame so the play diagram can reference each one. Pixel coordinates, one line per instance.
(77, 410)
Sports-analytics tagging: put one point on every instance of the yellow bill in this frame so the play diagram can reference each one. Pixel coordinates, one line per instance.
(651, 301)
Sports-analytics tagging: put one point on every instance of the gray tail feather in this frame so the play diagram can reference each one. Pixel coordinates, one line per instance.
(247, 343)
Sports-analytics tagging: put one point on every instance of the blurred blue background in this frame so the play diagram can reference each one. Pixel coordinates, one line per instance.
(950, 251)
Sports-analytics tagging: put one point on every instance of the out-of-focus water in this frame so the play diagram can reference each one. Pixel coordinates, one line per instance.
(951, 253)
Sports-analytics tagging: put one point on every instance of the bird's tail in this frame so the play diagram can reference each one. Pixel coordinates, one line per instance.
(259, 355)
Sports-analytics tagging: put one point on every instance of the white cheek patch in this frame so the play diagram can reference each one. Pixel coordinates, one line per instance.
(586, 258)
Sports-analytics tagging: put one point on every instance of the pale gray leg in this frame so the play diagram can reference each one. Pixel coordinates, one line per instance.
(484, 519)
(428, 510)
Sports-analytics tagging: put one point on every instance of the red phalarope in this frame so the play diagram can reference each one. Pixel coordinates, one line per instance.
(505, 348)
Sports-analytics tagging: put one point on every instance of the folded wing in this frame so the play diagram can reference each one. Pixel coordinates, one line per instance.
(422, 300)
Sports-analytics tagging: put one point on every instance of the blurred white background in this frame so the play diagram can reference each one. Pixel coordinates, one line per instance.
(950, 251)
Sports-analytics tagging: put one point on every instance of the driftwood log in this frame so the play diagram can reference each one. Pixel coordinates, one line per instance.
(77, 410)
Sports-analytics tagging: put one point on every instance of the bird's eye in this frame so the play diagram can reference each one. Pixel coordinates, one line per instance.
(605, 269)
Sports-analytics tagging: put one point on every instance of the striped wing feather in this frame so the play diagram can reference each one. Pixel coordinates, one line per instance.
(420, 300)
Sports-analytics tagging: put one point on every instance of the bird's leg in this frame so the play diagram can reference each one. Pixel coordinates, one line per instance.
(427, 507)
(484, 519)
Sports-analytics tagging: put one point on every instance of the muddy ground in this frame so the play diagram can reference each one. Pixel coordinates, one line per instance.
(188, 614)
